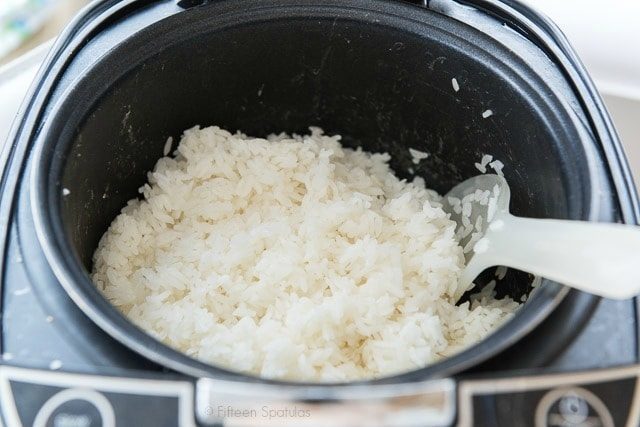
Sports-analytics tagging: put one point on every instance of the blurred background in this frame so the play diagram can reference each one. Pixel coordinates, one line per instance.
(25, 24)
(606, 36)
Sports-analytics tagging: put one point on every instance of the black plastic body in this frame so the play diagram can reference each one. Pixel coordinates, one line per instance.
(377, 72)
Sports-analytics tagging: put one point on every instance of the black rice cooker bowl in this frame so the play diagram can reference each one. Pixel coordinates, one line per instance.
(380, 73)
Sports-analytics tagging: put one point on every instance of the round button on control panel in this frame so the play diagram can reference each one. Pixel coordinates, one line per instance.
(76, 407)
(573, 406)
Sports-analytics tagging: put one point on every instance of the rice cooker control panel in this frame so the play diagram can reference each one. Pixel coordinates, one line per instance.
(55, 399)
(603, 398)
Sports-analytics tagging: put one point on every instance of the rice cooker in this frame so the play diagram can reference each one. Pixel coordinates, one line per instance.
(387, 75)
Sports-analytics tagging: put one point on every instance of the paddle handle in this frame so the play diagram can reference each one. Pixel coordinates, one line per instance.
(599, 258)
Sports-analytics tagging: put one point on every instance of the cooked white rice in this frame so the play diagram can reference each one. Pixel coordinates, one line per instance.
(487, 113)
(417, 155)
(167, 146)
(497, 166)
(501, 272)
(292, 258)
(482, 165)
(454, 84)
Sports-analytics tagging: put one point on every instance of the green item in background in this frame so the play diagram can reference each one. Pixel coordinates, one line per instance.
(19, 19)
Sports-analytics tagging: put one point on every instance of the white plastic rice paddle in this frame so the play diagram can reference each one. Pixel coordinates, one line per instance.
(599, 258)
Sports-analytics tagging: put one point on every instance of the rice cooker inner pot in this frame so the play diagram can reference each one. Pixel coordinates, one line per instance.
(386, 75)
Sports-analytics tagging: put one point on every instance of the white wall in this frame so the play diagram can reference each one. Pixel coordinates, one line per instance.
(606, 35)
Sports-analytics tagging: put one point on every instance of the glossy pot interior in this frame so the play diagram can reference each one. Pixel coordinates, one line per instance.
(378, 73)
